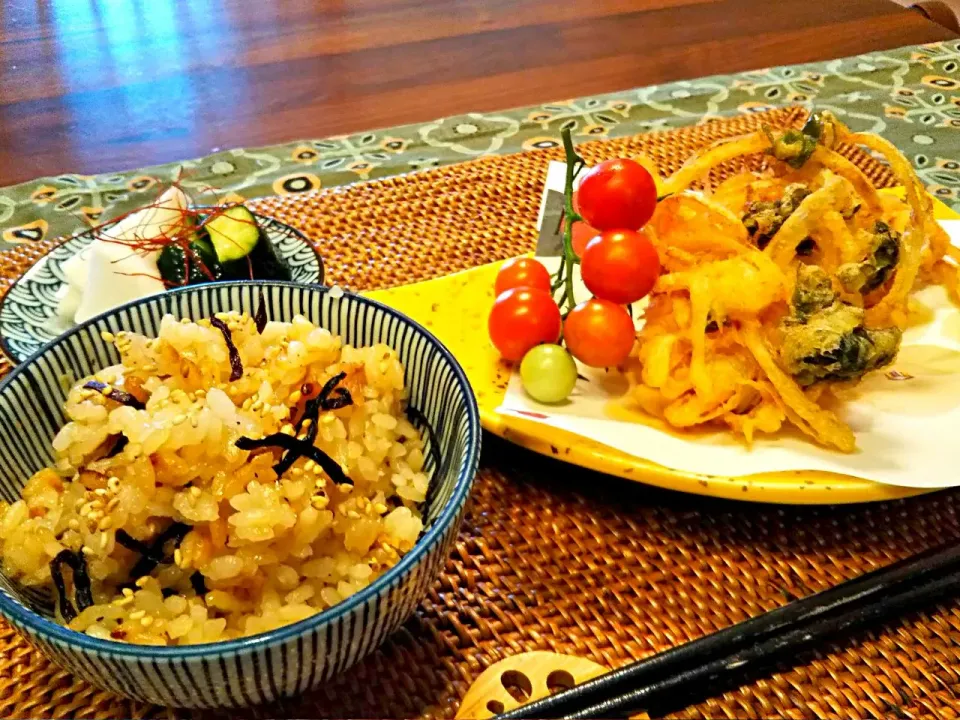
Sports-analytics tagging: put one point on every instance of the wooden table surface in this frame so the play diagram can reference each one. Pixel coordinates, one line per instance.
(100, 85)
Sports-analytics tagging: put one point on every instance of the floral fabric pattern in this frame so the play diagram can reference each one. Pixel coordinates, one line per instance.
(910, 95)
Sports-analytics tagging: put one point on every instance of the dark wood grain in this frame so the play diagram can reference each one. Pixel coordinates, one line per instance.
(98, 85)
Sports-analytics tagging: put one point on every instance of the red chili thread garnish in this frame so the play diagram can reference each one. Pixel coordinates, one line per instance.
(181, 233)
(236, 366)
(166, 283)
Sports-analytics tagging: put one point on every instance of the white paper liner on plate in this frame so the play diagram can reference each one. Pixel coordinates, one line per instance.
(906, 417)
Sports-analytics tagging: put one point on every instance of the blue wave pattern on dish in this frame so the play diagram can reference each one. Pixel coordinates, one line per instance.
(28, 314)
(297, 657)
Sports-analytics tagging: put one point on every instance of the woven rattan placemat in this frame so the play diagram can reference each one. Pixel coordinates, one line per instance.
(553, 557)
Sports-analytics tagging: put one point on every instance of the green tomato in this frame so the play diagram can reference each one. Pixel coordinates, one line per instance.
(548, 373)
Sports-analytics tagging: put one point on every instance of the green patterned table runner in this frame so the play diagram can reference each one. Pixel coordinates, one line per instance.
(910, 95)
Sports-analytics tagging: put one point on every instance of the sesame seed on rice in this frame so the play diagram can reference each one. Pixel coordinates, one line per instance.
(271, 550)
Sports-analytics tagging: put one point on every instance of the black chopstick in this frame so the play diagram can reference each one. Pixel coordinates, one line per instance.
(713, 678)
(869, 597)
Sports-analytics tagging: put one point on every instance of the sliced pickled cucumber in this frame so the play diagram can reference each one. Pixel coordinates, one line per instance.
(233, 232)
(176, 269)
(243, 248)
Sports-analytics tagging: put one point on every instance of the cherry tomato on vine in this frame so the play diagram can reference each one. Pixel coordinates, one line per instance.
(522, 272)
(620, 265)
(582, 234)
(521, 319)
(599, 333)
(617, 194)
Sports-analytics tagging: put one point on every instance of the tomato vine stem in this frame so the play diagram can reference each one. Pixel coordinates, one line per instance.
(563, 278)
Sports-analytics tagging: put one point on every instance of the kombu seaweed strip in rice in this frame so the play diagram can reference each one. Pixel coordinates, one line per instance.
(82, 591)
(303, 448)
(326, 399)
(236, 366)
(330, 400)
(260, 319)
(137, 546)
(120, 396)
(67, 611)
(154, 554)
(311, 411)
(417, 417)
(118, 446)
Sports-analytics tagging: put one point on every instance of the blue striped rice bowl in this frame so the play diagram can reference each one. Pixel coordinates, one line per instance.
(293, 658)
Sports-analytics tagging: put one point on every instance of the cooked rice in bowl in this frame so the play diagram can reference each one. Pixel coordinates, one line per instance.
(189, 538)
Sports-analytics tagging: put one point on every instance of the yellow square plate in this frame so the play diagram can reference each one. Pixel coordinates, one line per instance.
(455, 309)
